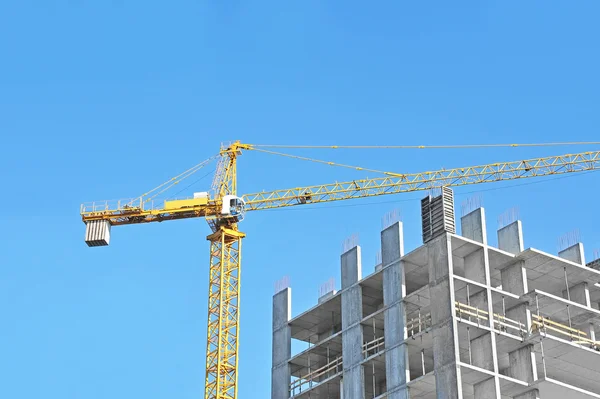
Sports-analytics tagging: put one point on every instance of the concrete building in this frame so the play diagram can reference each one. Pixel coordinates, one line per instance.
(420, 325)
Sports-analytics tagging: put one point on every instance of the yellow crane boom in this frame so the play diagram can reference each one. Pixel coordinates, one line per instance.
(132, 212)
(224, 210)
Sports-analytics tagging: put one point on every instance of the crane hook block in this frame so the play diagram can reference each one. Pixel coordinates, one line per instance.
(97, 233)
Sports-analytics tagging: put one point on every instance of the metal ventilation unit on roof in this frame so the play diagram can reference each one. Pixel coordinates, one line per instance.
(437, 214)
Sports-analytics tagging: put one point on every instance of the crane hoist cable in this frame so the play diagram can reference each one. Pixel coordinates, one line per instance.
(327, 162)
(174, 180)
(420, 147)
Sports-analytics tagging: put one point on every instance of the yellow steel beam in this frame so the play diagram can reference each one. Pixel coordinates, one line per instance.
(362, 188)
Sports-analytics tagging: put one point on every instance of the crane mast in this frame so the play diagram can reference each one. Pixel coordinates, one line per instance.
(223, 210)
(224, 286)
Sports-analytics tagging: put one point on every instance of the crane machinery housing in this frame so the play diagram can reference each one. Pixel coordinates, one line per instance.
(223, 209)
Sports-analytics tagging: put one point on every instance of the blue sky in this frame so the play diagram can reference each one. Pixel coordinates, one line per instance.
(102, 100)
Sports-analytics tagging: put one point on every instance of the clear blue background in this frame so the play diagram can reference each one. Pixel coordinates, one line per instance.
(106, 99)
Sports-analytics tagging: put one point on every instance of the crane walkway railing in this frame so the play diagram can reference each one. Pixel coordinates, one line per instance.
(123, 205)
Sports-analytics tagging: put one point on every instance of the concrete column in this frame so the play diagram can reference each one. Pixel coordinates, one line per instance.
(475, 266)
(485, 389)
(399, 393)
(522, 364)
(394, 289)
(510, 238)
(579, 293)
(522, 361)
(473, 226)
(574, 253)
(533, 394)
(443, 317)
(282, 345)
(483, 348)
(514, 280)
(352, 335)
(482, 354)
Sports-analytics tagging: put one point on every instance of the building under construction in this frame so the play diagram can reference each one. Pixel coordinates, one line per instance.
(454, 318)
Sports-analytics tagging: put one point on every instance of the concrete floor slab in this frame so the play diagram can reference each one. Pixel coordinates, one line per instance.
(568, 362)
(316, 356)
(416, 270)
(555, 307)
(324, 390)
(472, 375)
(317, 320)
(422, 387)
(419, 299)
(376, 319)
(552, 270)
(372, 292)
(553, 389)
(462, 246)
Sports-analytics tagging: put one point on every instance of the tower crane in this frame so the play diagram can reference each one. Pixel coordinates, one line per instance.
(223, 209)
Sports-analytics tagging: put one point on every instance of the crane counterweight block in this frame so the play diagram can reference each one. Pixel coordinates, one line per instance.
(97, 233)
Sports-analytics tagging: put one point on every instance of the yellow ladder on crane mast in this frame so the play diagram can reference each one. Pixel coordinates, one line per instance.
(224, 209)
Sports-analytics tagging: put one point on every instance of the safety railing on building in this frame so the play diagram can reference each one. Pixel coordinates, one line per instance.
(422, 322)
(418, 324)
(373, 347)
(315, 377)
(539, 323)
(477, 315)
(545, 325)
